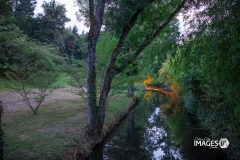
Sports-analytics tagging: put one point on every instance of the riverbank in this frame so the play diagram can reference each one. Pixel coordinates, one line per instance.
(85, 145)
(57, 129)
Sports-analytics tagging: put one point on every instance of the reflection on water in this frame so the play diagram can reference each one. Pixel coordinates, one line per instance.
(155, 138)
(146, 135)
(147, 95)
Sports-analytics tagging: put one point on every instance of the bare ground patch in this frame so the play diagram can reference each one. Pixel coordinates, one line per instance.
(13, 102)
(47, 134)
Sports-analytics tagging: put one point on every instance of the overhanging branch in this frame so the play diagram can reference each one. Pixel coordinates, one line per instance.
(111, 67)
(149, 40)
(127, 28)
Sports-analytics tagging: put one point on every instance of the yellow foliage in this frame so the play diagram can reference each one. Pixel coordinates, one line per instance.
(175, 87)
(174, 99)
(167, 78)
(147, 95)
(148, 80)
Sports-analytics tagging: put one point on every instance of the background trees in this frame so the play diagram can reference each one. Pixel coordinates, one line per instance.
(5, 9)
(30, 62)
(51, 24)
(24, 12)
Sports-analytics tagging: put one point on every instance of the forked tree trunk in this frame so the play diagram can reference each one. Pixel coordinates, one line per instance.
(96, 113)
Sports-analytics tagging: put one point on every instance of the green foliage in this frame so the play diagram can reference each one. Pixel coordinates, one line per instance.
(75, 30)
(69, 43)
(61, 81)
(25, 8)
(16, 48)
(76, 69)
(139, 94)
(50, 28)
(77, 76)
(51, 24)
(29, 63)
(80, 47)
(150, 61)
(206, 66)
(144, 27)
(104, 49)
(5, 9)
(41, 81)
(118, 13)
(23, 13)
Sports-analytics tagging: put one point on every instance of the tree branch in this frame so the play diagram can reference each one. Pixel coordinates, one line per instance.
(127, 28)
(111, 67)
(149, 40)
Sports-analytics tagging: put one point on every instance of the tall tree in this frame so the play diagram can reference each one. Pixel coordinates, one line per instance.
(149, 18)
(5, 9)
(75, 30)
(24, 12)
(25, 8)
(51, 23)
(80, 47)
(69, 42)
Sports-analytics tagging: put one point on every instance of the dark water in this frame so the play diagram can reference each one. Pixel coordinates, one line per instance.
(145, 135)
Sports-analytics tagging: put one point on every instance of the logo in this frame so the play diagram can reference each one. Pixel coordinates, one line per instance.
(222, 143)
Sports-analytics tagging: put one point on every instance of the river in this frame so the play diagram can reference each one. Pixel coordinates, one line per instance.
(146, 135)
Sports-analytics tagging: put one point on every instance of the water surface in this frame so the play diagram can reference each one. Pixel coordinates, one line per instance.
(146, 135)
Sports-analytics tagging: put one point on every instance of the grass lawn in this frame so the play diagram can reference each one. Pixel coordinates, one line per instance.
(4, 84)
(62, 81)
(48, 134)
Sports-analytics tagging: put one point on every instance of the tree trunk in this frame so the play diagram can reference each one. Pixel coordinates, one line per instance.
(105, 91)
(95, 124)
(130, 90)
(130, 84)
